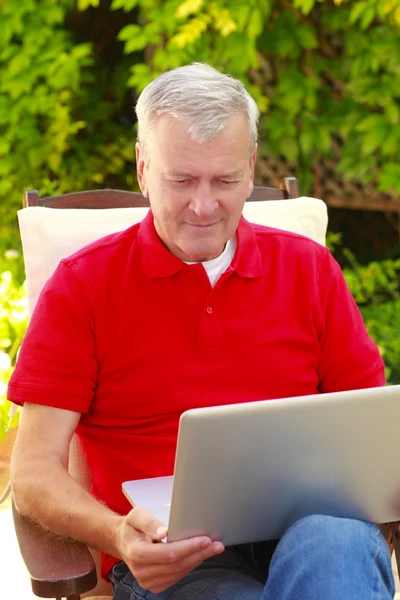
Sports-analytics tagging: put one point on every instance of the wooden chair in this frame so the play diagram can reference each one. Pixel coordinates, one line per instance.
(60, 569)
(122, 199)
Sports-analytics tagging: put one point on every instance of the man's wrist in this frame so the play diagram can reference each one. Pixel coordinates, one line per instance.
(114, 532)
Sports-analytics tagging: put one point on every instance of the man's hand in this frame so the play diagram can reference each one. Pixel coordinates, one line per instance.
(157, 566)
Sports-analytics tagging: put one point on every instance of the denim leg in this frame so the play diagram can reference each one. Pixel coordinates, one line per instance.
(228, 576)
(329, 558)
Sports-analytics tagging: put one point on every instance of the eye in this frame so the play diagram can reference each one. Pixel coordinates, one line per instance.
(226, 182)
(179, 181)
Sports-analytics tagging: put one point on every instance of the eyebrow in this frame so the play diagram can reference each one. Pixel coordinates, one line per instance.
(231, 175)
(179, 174)
(183, 175)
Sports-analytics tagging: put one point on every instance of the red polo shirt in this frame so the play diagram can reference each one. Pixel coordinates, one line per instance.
(130, 336)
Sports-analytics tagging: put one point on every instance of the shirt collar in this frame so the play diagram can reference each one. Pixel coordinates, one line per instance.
(247, 260)
(157, 259)
(160, 262)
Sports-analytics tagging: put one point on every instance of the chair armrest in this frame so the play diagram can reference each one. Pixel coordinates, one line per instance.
(57, 568)
(396, 543)
(391, 532)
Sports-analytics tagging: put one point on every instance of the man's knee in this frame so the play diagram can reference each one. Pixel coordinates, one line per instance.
(326, 532)
(334, 526)
(348, 557)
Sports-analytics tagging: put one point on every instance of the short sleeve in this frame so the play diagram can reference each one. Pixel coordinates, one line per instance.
(57, 363)
(349, 358)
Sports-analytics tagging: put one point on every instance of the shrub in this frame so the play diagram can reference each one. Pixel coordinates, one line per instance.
(13, 323)
(376, 289)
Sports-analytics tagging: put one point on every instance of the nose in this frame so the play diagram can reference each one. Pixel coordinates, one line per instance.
(203, 202)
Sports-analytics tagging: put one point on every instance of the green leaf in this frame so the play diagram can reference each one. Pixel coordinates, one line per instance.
(391, 144)
(392, 111)
(324, 141)
(141, 76)
(306, 141)
(367, 17)
(357, 10)
(125, 5)
(189, 33)
(18, 64)
(289, 148)
(371, 123)
(389, 178)
(54, 14)
(307, 37)
(255, 24)
(80, 52)
(128, 32)
(373, 139)
(305, 6)
(5, 147)
(84, 4)
(240, 14)
(188, 7)
(137, 42)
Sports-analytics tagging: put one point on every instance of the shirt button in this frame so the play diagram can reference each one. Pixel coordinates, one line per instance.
(209, 310)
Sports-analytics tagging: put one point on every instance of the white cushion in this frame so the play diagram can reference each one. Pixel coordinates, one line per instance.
(49, 234)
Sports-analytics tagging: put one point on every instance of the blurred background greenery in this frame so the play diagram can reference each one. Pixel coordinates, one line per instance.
(325, 74)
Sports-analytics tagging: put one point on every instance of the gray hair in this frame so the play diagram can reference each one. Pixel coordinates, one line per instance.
(199, 96)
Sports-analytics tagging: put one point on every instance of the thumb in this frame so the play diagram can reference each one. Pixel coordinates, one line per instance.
(143, 521)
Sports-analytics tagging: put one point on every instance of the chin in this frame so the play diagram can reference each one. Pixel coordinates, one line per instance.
(203, 254)
(203, 257)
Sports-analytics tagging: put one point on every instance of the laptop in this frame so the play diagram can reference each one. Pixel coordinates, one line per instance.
(247, 472)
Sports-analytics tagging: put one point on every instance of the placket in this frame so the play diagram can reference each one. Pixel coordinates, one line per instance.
(210, 338)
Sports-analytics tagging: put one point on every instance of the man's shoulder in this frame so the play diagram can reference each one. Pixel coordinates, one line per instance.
(115, 244)
(281, 239)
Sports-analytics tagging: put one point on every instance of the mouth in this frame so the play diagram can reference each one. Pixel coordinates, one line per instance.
(202, 225)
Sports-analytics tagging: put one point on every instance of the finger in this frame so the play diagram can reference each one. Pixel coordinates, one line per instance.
(173, 552)
(159, 577)
(142, 520)
(157, 584)
(191, 561)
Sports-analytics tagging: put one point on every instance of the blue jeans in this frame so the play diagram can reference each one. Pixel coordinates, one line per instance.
(318, 558)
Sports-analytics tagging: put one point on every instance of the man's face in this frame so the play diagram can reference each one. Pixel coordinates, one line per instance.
(196, 191)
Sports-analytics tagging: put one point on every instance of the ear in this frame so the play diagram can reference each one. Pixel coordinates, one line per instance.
(141, 170)
(252, 166)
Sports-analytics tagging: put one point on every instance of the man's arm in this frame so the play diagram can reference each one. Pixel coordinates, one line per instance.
(349, 359)
(42, 487)
(44, 491)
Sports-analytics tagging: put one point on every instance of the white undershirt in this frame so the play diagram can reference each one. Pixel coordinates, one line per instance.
(215, 267)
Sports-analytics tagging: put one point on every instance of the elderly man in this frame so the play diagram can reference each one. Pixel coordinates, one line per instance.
(192, 307)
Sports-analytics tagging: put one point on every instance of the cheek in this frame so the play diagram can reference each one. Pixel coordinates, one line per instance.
(170, 210)
(234, 208)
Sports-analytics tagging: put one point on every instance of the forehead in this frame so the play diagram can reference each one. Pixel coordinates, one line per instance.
(173, 148)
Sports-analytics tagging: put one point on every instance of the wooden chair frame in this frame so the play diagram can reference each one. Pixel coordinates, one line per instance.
(123, 199)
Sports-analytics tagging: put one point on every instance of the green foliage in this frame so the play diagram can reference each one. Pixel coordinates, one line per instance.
(324, 73)
(383, 323)
(59, 104)
(13, 323)
(173, 33)
(376, 289)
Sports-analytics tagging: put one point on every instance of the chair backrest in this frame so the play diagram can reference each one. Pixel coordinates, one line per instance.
(49, 235)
